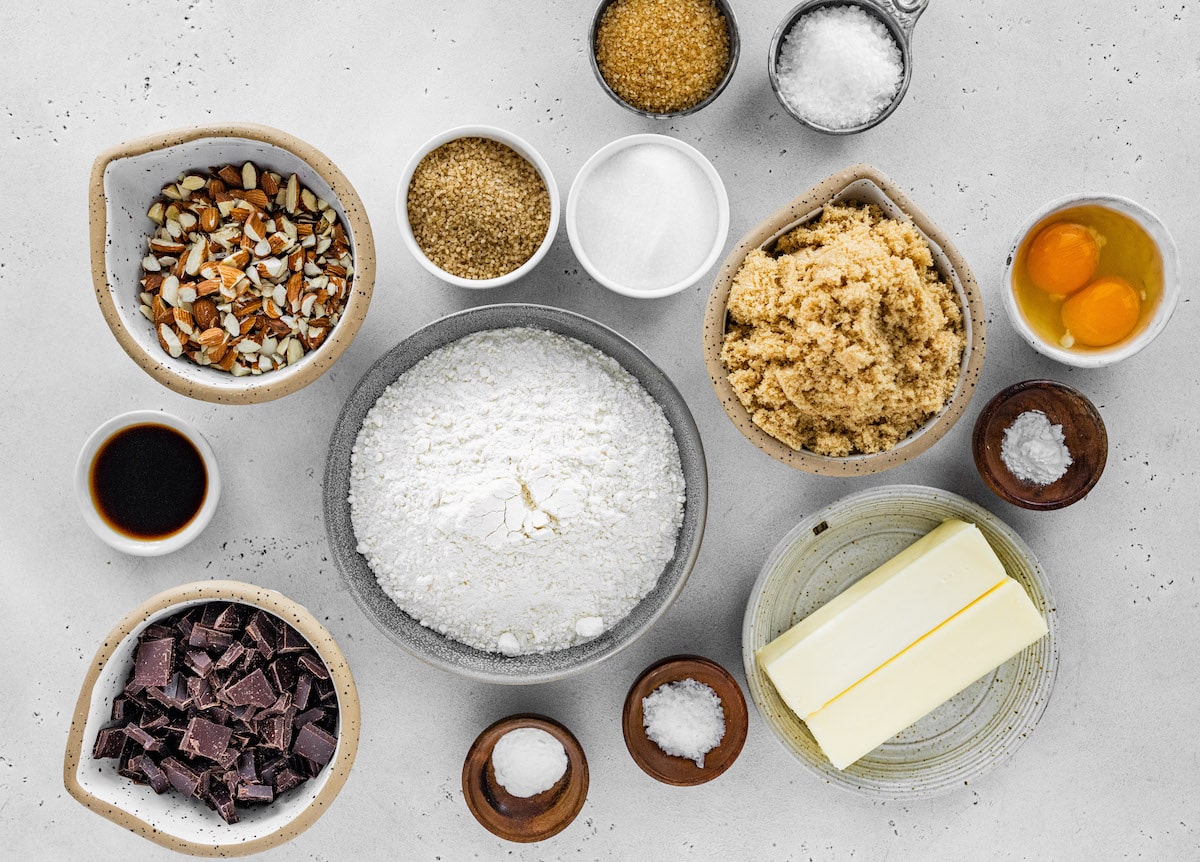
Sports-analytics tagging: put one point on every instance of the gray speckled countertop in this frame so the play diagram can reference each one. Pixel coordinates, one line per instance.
(1012, 103)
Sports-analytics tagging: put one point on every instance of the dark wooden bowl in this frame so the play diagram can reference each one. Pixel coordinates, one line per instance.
(1083, 432)
(681, 771)
(516, 818)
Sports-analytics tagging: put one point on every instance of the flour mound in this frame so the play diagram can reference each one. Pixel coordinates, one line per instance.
(516, 490)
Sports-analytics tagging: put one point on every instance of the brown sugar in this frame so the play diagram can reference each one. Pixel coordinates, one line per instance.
(662, 56)
(477, 208)
(847, 340)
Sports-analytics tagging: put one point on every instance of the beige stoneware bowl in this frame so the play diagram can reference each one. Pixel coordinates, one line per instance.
(860, 184)
(186, 825)
(129, 177)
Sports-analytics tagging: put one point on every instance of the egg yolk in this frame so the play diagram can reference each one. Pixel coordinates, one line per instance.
(1062, 258)
(1102, 313)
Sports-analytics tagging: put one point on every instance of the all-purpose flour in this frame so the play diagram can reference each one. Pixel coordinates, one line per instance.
(516, 490)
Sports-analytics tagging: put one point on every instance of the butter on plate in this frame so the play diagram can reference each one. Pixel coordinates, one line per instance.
(901, 641)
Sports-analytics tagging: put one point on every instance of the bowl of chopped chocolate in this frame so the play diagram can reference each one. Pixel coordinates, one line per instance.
(217, 719)
(233, 263)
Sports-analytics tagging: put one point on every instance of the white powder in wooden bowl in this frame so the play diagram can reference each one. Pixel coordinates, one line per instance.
(684, 719)
(517, 490)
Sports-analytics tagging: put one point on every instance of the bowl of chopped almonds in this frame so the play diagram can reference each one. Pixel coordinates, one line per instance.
(233, 263)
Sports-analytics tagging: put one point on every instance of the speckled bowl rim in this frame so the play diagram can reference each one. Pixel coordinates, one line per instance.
(802, 209)
(255, 389)
(296, 615)
(1167, 249)
(361, 581)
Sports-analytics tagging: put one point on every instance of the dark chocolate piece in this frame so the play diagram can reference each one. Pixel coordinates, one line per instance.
(200, 662)
(154, 775)
(230, 656)
(315, 744)
(254, 689)
(124, 709)
(109, 743)
(206, 637)
(182, 779)
(255, 793)
(313, 715)
(218, 795)
(276, 732)
(262, 632)
(303, 691)
(313, 665)
(284, 673)
(142, 738)
(154, 661)
(229, 619)
(205, 739)
(290, 641)
(286, 779)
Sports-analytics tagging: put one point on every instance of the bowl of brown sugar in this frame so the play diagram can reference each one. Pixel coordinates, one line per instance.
(664, 58)
(477, 206)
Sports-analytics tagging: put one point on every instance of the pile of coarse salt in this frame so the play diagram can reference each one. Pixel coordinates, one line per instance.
(684, 719)
(839, 67)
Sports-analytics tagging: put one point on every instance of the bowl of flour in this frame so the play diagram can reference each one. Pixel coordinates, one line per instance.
(515, 493)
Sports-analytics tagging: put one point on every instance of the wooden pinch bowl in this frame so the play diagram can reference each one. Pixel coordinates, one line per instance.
(680, 771)
(516, 818)
(1083, 433)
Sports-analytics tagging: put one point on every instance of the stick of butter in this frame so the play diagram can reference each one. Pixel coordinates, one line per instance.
(967, 646)
(879, 616)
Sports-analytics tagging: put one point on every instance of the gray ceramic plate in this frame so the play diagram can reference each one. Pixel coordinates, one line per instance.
(449, 654)
(963, 738)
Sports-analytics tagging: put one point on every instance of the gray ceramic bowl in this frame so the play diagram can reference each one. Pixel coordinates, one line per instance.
(451, 655)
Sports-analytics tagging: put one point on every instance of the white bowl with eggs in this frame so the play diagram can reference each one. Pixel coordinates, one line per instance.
(1155, 312)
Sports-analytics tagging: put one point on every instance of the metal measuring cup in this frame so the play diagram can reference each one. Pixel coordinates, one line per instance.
(899, 16)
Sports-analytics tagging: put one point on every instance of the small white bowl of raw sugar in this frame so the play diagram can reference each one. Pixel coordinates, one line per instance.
(647, 216)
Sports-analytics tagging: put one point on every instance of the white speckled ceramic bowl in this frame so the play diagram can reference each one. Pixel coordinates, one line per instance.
(128, 178)
(965, 737)
(187, 825)
(1147, 331)
(448, 654)
(860, 184)
(524, 149)
(120, 541)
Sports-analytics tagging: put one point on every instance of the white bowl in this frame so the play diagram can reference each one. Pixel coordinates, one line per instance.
(187, 825)
(522, 148)
(1158, 232)
(605, 153)
(128, 544)
(129, 177)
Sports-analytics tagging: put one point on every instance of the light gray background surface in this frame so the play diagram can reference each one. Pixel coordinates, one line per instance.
(1013, 102)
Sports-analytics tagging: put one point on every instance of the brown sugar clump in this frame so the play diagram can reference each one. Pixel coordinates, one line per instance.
(848, 340)
(477, 208)
(662, 56)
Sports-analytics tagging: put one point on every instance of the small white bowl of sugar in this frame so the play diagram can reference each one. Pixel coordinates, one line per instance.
(647, 216)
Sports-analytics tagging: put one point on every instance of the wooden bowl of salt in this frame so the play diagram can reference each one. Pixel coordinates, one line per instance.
(678, 770)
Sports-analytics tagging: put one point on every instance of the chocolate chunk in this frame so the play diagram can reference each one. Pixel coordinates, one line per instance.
(286, 779)
(315, 744)
(156, 631)
(255, 793)
(313, 715)
(208, 638)
(152, 722)
(124, 709)
(313, 665)
(303, 691)
(205, 739)
(253, 689)
(281, 705)
(290, 641)
(182, 779)
(109, 743)
(276, 732)
(229, 619)
(230, 656)
(200, 690)
(262, 632)
(154, 661)
(247, 768)
(142, 738)
(283, 673)
(218, 795)
(154, 775)
(174, 695)
(199, 662)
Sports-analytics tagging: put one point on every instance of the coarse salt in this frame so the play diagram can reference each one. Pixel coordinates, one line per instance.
(684, 719)
(528, 761)
(517, 491)
(839, 67)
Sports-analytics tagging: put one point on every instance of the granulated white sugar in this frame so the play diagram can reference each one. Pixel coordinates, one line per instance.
(517, 490)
